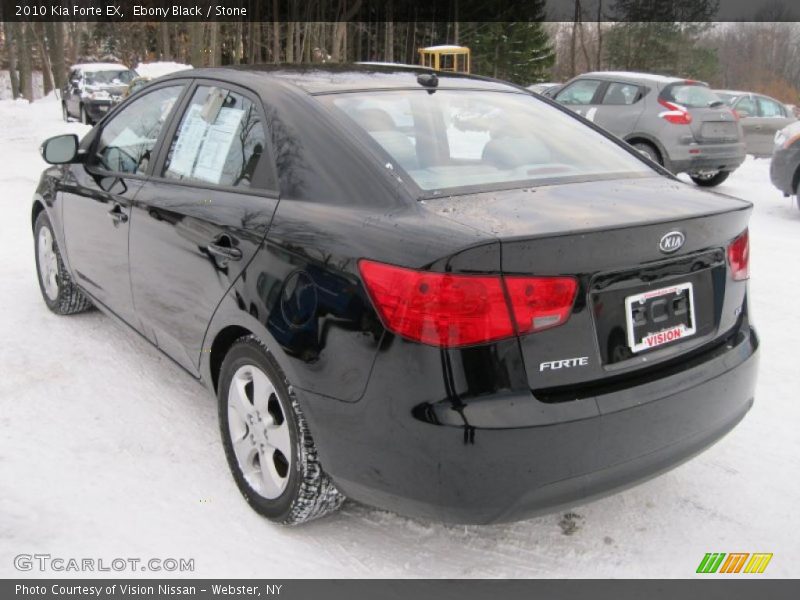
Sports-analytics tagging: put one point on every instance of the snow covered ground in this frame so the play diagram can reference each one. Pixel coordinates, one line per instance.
(107, 449)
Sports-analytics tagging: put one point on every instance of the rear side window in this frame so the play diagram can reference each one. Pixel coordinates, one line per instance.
(579, 92)
(621, 93)
(221, 141)
(692, 95)
(769, 108)
(127, 140)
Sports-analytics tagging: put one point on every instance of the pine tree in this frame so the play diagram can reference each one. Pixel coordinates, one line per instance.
(520, 52)
(661, 37)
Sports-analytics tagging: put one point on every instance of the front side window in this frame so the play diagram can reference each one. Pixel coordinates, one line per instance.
(220, 140)
(580, 92)
(127, 140)
(621, 93)
(769, 108)
(463, 138)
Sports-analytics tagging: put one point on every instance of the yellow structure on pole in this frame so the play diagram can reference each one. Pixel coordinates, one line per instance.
(455, 59)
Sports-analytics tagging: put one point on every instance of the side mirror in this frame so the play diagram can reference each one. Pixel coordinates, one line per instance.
(60, 149)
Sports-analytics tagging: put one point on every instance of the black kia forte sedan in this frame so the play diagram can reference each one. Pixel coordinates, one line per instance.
(438, 294)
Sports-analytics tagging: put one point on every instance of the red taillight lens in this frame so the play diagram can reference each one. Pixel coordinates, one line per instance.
(739, 257)
(438, 308)
(540, 302)
(676, 114)
(447, 310)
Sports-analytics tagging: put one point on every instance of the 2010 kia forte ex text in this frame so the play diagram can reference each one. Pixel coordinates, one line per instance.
(437, 294)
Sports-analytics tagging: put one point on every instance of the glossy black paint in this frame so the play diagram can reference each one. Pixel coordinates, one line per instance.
(472, 434)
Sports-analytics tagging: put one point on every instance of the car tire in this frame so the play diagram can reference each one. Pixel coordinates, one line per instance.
(797, 195)
(260, 423)
(650, 151)
(60, 293)
(64, 112)
(710, 180)
(85, 116)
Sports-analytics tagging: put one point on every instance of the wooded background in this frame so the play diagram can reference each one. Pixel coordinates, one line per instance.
(762, 56)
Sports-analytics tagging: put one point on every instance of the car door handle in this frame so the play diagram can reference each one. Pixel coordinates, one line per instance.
(226, 252)
(117, 215)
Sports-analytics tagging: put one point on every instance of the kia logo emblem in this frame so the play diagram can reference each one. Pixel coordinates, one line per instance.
(671, 242)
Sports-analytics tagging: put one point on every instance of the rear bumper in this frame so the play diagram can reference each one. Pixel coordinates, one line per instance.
(382, 455)
(699, 157)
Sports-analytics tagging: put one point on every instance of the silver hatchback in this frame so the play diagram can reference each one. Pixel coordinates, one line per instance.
(680, 124)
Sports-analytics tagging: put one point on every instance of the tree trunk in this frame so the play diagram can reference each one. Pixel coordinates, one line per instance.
(599, 35)
(9, 29)
(165, 50)
(55, 47)
(276, 33)
(389, 33)
(25, 74)
(214, 44)
(573, 40)
(196, 41)
(38, 33)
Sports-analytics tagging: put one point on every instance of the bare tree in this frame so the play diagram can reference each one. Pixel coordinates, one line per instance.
(11, 48)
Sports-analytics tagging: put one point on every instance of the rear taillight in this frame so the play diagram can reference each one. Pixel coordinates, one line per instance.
(676, 114)
(447, 310)
(540, 302)
(739, 257)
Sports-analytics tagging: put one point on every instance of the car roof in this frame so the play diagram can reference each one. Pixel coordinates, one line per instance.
(732, 92)
(100, 66)
(633, 76)
(331, 78)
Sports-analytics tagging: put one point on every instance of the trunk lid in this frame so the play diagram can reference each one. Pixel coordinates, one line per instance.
(607, 234)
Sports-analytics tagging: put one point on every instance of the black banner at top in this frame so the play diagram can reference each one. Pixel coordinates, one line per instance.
(399, 10)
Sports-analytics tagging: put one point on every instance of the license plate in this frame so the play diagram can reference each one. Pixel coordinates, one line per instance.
(102, 108)
(659, 317)
(719, 131)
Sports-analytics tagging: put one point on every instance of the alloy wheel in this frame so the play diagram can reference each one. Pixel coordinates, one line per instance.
(259, 432)
(48, 263)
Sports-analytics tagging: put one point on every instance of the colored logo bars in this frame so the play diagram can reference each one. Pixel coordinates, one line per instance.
(716, 562)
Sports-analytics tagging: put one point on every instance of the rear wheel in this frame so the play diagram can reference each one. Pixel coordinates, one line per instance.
(85, 116)
(267, 442)
(60, 294)
(64, 111)
(649, 151)
(709, 178)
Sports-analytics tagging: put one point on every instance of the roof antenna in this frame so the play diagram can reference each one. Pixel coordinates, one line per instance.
(428, 80)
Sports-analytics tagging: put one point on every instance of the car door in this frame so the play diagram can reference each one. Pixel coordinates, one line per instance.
(774, 117)
(620, 108)
(582, 96)
(747, 109)
(202, 216)
(99, 193)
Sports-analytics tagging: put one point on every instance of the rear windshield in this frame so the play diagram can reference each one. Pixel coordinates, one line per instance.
(692, 95)
(460, 138)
